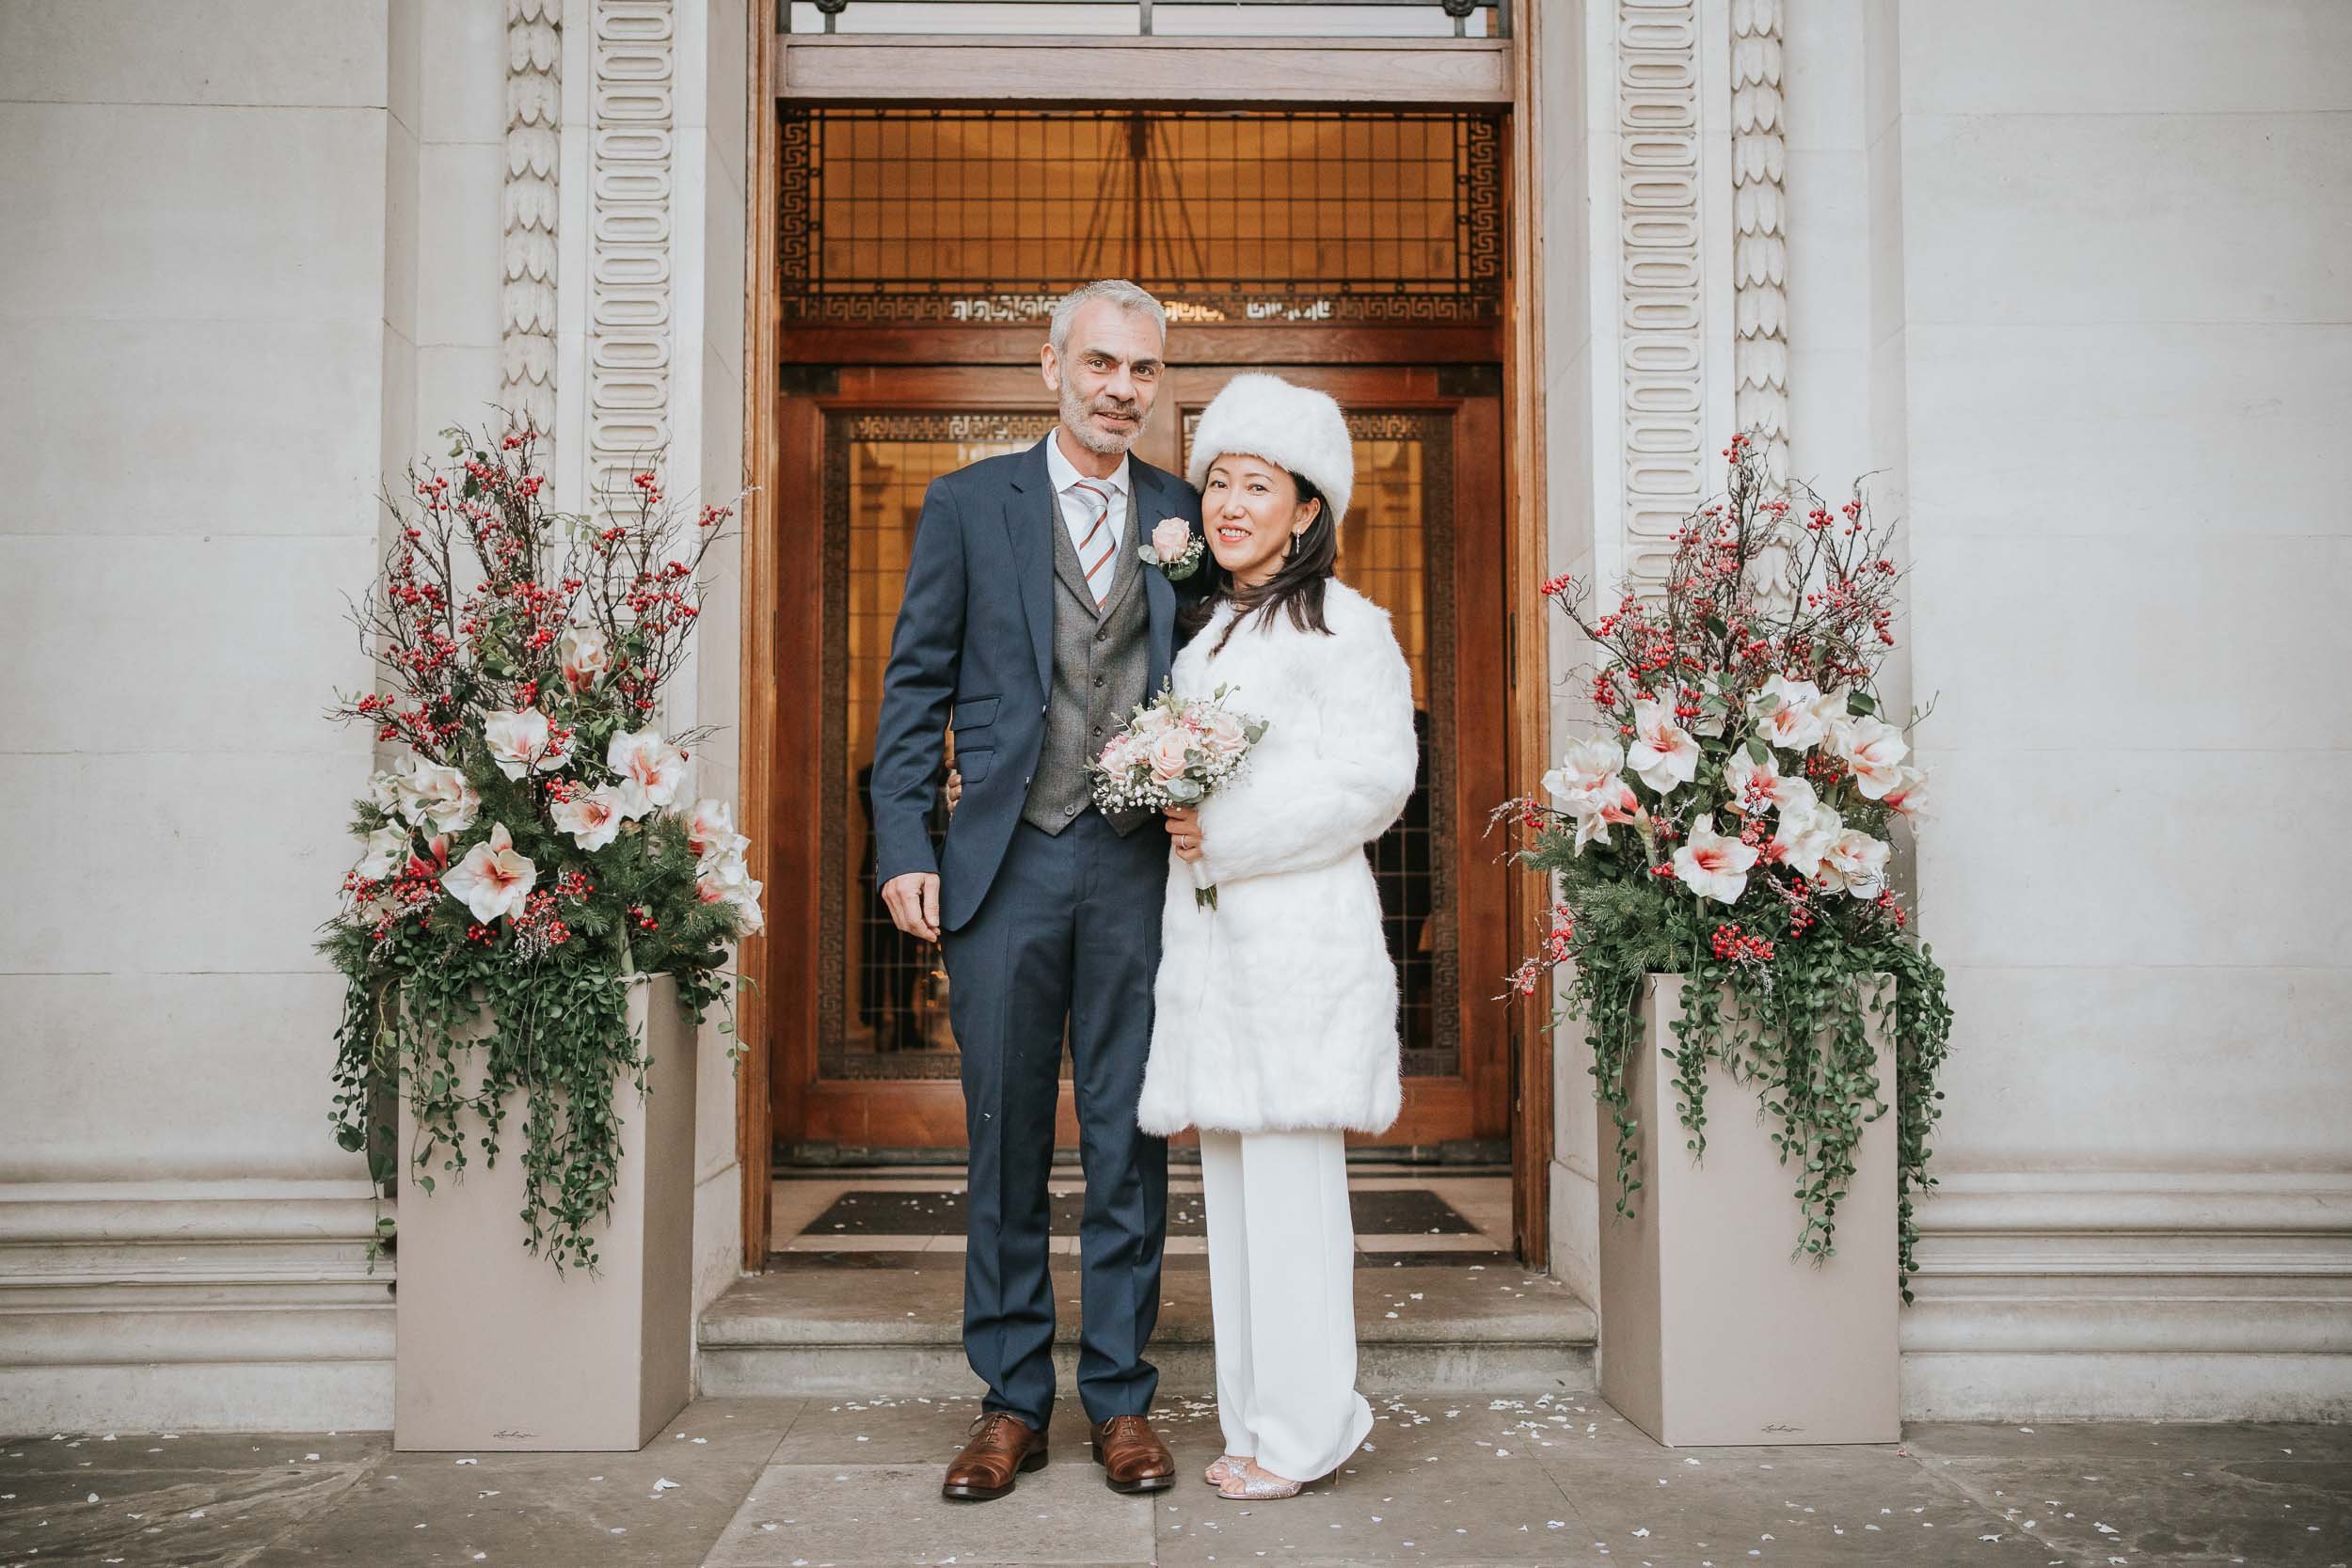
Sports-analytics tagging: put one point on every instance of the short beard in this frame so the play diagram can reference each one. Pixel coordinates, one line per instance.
(1074, 417)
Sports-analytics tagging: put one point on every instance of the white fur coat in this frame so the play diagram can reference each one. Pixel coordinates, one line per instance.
(1276, 1010)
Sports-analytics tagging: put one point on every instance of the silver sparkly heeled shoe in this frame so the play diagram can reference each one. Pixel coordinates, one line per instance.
(1224, 1467)
(1253, 1484)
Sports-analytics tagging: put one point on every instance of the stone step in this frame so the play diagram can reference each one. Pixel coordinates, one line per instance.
(874, 1324)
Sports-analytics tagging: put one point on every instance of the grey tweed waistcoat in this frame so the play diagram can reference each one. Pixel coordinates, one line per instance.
(1102, 663)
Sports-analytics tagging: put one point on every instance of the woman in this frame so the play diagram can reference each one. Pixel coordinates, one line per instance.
(1275, 1027)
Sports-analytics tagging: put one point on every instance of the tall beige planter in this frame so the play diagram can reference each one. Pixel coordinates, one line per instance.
(498, 1351)
(1709, 1332)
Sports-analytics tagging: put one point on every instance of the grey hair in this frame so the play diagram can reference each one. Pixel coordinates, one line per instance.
(1119, 292)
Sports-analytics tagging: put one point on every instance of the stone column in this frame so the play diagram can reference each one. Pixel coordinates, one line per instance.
(650, 362)
(1639, 328)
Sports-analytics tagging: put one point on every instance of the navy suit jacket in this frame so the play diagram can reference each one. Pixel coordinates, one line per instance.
(974, 650)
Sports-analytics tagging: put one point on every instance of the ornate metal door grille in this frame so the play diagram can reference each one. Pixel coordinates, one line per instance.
(892, 216)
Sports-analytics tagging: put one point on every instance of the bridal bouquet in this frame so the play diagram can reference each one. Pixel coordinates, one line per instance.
(1731, 818)
(1174, 752)
(531, 845)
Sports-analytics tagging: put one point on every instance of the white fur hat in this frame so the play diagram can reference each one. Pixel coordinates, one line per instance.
(1298, 427)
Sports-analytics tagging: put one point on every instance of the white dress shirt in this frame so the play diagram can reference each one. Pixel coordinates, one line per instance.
(1087, 501)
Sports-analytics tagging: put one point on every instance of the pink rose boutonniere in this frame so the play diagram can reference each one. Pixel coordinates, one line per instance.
(1175, 549)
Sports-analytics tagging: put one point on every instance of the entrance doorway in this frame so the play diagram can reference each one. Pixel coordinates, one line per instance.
(913, 253)
(872, 1070)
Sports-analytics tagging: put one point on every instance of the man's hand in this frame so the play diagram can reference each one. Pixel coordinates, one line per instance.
(955, 789)
(913, 899)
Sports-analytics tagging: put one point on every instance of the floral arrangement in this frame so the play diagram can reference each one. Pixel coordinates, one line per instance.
(1175, 548)
(1175, 752)
(1731, 821)
(531, 850)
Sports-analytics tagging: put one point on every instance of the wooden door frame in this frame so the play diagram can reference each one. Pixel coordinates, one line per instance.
(1528, 553)
(805, 1105)
(1525, 565)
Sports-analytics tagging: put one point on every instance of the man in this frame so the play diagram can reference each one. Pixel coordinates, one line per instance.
(1031, 626)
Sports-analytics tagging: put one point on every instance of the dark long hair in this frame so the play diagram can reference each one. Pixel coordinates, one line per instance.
(1296, 589)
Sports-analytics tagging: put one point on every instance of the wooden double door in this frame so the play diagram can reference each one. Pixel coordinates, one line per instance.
(863, 1057)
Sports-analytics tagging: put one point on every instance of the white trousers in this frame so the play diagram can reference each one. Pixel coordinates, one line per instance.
(1283, 1299)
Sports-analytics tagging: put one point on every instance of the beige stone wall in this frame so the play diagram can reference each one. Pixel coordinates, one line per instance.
(255, 263)
(205, 328)
(2115, 332)
(2081, 308)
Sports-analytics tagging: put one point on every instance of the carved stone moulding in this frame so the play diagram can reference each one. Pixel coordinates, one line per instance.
(1662, 315)
(632, 144)
(535, 99)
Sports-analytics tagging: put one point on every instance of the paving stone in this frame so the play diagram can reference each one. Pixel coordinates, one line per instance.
(190, 1450)
(540, 1509)
(855, 1516)
(1815, 1505)
(163, 1518)
(893, 1430)
(2272, 1495)
(1410, 1496)
(2066, 1442)
(1450, 1480)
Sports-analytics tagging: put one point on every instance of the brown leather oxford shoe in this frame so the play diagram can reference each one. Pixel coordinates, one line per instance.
(1002, 1446)
(1132, 1455)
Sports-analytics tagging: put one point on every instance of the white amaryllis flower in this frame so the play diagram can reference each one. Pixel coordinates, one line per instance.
(581, 653)
(1587, 766)
(1857, 862)
(711, 826)
(393, 792)
(592, 816)
(726, 879)
(1611, 801)
(1873, 749)
(1803, 836)
(1909, 792)
(650, 767)
(1712, 864)
(1663, 752)
(388, 851)
(522, 742)
(1785, 713)
(1755, 785)
(494, 879)
(439, 794)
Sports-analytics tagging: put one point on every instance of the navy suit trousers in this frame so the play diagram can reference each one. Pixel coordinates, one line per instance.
(1069, 933)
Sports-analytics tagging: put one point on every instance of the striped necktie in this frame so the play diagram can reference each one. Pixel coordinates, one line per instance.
(1096, 549)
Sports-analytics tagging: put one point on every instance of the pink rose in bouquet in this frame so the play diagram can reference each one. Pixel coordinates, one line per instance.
(1174, 752)
(1170, 754)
